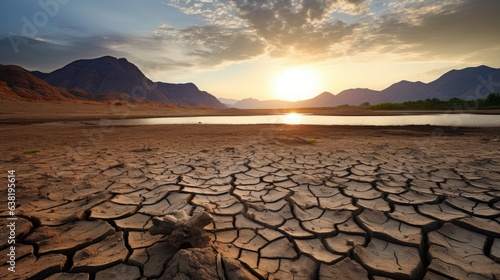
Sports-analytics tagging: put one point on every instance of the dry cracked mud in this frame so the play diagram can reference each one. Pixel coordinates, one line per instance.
(281, 211)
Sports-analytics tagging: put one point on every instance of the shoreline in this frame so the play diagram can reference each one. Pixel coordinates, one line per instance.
(22, 112)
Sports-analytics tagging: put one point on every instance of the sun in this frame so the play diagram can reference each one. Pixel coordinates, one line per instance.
(296, 84)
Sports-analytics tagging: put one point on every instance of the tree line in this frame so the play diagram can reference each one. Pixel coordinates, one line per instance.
(491, 102)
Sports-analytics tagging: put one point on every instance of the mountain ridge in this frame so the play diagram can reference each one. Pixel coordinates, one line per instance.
(466, 83)
(109, 78)
(17, 82)
(124, 80)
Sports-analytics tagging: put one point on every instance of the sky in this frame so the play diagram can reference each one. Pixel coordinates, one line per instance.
(287, 49)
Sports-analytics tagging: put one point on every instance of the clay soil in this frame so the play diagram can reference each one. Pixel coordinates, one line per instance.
(288, 201)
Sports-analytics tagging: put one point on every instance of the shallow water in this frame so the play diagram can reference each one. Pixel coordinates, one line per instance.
(468, 120)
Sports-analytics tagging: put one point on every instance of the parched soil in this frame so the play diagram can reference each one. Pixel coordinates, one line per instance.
(288, 202)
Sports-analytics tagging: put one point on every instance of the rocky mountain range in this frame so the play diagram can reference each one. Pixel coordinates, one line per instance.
(468, 84)
(16, 82)
(101, 79)
(109, 78)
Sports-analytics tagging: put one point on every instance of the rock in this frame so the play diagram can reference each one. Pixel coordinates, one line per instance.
(193, 264)
(158, 256)
(183, 229)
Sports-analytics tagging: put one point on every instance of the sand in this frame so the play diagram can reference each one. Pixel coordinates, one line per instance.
(288, 202)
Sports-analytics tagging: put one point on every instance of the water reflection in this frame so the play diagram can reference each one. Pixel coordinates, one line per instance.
(469, 120)
(293, 118)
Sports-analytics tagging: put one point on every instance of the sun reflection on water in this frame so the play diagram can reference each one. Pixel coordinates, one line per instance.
(293, 118)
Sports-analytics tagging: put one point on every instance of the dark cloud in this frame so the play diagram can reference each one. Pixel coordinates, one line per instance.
(238, 30)
(50, 53)
(46, 54)
(454, 31)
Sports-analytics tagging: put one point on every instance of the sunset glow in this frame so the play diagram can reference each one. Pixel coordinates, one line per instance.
(259, 49)
(296, 84)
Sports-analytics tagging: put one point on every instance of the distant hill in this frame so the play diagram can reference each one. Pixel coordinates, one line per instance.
(461, 84)
(111, 78)
(227, 101)
(16, 82)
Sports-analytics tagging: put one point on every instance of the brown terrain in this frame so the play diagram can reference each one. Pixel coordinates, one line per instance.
(287, 201)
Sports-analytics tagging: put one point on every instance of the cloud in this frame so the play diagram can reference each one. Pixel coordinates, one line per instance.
(48, 53)
(449, 29)
(230, 31)
(311, 30)
(212, 44)
(302, 27)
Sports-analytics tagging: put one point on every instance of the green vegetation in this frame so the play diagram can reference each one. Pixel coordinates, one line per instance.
(489, 103)
(28, 152)
(312, 140)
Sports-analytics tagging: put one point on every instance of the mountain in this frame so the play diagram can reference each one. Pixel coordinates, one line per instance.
(188, 95)
(16, 82)
(111, 78)
(468, 83)
(227, 101)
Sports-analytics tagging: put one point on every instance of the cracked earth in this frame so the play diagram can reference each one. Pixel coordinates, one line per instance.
(404, 206)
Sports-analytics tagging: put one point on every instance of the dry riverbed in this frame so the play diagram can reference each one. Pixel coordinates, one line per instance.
(288, 202)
